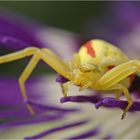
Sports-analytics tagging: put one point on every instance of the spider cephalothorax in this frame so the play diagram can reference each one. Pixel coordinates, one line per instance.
(98, 65)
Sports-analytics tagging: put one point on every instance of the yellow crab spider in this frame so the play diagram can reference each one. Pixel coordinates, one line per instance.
(98, 65)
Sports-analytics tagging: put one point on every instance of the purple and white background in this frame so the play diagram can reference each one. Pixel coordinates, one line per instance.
(63, 27)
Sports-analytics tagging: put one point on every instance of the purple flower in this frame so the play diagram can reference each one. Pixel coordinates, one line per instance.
(16, 33)
(54, 120)
(51, 119)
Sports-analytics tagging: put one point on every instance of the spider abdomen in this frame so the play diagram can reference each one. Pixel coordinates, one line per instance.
(99, 52)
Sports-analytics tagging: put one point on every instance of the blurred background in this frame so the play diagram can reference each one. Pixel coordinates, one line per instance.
(70, 16)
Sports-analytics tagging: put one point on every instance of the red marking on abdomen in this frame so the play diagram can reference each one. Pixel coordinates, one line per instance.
(110, 67)
(90, 49)
(131, 78)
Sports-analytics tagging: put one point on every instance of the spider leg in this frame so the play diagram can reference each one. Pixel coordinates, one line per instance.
(125, 91)
(64, 88)
(115, 75)
(89, 84)
(18, 55)
(71, 64)
(87, 67)
(46, 55)
(118, 73)
(65, 69)
(118, 94)
(24, 76)
(76, 60)
(55, 62)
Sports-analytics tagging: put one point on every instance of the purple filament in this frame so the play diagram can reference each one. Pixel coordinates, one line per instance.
(111, 102)
(87, 134)
(80, 99)
(67, 126)
(61, 79)
(98, 101)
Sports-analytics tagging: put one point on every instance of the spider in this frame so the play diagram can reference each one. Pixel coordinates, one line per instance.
(98, 65)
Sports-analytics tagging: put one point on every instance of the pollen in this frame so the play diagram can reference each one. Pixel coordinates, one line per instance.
(90, 49)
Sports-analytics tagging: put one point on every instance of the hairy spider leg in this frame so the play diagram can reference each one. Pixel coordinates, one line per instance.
(110, 80)
(45, 54)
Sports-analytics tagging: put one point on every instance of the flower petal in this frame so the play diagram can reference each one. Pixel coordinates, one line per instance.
(56, 129)
(87, 134)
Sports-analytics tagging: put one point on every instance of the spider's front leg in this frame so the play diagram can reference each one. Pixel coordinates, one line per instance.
(119, 73)
(46, 55)
(122, 89)
(19, 55)
(111, 79)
